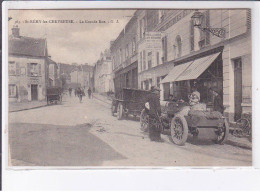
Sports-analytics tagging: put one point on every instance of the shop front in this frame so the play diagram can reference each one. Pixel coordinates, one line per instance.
(205, 72)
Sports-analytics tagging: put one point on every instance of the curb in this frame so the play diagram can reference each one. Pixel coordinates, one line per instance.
(28, 108)
(102, 100)
(237, 144)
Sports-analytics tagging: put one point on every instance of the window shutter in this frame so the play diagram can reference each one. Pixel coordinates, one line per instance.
(207, 18)
(191, 36)
(165, 48)
(248, 18)
(40, 70)
(17, 69)
(28, 69)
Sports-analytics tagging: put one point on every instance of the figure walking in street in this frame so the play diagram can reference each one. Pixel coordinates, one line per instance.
(89, 93)
(153, 109)
(80, 94)
(70, 90)
(75, 92)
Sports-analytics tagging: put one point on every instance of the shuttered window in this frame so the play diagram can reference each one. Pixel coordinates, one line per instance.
(248, 18)
(191, 36)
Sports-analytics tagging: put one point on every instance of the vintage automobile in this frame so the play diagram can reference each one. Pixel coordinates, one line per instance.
(179, 119)
(128, 101)
(54, 95)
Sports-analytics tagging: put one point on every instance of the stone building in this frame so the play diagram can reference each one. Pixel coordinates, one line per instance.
(103, 79)
(125, 56)
(192, 56)
(53, 73)
(27, 67)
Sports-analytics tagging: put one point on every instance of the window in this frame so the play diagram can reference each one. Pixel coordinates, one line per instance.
(141, 61)
(11, 68)
(12, 90)
(164, 47)
(158, 58)
(34, 69)
(133, 46)
(174, 51)
(150, 60)
(179, 45)
(144, 60)
(204, 35)
(127, 51)
(191, 36)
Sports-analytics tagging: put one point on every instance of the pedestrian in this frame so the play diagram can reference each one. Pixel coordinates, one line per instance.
(217, 100)
(70, 90)
(153, 109)
(89, 93)
(80, 94)
(75, 92)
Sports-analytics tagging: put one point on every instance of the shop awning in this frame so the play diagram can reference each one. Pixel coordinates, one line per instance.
(190, 70)
(175, 72)
(197, 67)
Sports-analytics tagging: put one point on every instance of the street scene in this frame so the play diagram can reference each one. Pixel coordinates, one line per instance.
(130, 88)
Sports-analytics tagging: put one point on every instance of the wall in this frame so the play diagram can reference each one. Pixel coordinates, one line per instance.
(22, 81)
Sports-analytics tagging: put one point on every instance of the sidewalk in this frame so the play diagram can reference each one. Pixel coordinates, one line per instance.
(19, 106)
(103, 98)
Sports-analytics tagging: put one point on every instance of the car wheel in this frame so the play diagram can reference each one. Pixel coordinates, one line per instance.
(179, 130)
(222, 134)
(144, 121)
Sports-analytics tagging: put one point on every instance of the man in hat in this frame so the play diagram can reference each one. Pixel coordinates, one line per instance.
(153, 108)
(217, 100)
(194, 97)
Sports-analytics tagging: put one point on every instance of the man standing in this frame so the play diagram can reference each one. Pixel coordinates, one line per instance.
(70, 90)
(153, 109)
(89, 93)
(217, 101)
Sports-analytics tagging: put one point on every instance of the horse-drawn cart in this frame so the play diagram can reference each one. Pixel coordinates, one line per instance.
(54, 95)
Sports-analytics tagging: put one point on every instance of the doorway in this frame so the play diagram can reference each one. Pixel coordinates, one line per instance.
(34, 92)
(238, 88)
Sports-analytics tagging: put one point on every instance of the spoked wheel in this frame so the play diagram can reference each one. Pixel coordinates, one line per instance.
(144, 121)
(119, 111)
(179, 130)
(222, 133)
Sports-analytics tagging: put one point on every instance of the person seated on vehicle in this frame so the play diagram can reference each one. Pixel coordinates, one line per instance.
(171, 98)
(194, 97)
(217, 100)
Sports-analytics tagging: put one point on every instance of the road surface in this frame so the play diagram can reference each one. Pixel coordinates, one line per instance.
(85, 134)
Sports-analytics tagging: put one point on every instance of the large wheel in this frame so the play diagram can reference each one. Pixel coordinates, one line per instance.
(222, 134)
(179, 130)
(120, 111)
(144, 121)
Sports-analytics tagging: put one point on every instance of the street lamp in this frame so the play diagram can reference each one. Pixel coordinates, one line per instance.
(197, 19)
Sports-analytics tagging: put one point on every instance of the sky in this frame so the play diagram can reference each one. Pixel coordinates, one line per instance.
(72, 42)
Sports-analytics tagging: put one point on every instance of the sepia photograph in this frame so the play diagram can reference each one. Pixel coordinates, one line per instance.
(129, 87)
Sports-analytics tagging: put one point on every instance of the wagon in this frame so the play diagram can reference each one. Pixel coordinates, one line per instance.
(54, 95)
(129, 101)
(179, 119)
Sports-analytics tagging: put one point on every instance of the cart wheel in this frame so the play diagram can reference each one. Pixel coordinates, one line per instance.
(119, 111)
(113, 107)
(179, 130)
(144, 121)
(223, 134)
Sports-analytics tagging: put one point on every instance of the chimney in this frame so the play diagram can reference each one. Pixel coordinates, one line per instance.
(16, 31)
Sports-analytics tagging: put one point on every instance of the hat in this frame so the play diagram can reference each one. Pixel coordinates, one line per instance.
(154, 88)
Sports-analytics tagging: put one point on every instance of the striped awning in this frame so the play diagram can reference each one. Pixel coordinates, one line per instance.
(176, 72)
(197, 67)
(190, 70)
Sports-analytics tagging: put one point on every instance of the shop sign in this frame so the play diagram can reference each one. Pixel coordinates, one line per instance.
(153, 40)
(34, 80)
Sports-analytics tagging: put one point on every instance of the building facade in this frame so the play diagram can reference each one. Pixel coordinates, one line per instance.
(53, 73)
(191, 56)
(125, 56)
(103, 79)
(27, 67)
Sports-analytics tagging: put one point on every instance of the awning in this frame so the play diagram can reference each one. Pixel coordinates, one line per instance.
(197, 67)
(190, 70)
(176, 72)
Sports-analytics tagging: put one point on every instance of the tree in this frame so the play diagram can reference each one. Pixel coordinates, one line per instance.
(63, 78)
